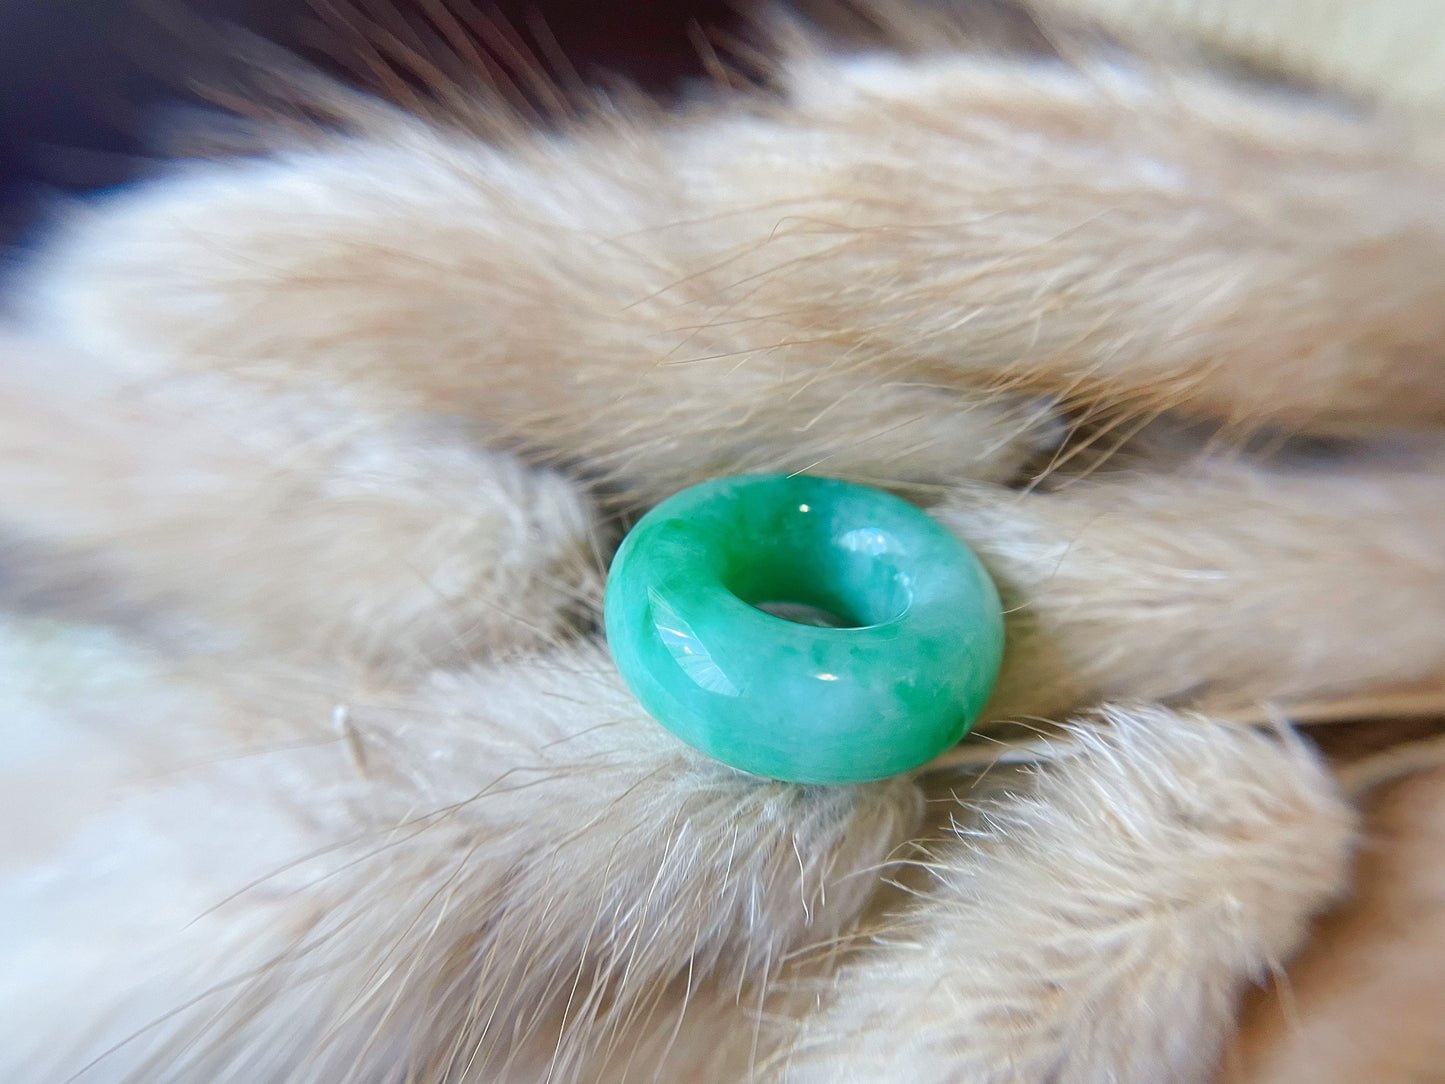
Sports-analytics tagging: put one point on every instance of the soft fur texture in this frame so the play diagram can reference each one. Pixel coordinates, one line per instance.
(310, 464)
(1363, 1001)
(1127, 974)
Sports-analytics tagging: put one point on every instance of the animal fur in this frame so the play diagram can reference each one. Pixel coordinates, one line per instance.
(1057, 946)
(310, 464)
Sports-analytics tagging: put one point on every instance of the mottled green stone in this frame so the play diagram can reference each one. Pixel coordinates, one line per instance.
(903, 679)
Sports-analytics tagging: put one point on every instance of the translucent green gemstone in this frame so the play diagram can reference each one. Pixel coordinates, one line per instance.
(904, 677)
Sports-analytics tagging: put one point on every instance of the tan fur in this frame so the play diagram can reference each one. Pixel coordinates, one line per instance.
(1363, 1001)
(1212, 582)
(303, 519)
(1055, 944)
(316, 768)
(792, 290)
(1385, 49)
(425, 879)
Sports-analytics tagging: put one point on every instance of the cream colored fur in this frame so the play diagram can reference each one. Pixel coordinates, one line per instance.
(310, 464)
(1057, 945)
(1362, 1001)
(1385, 48)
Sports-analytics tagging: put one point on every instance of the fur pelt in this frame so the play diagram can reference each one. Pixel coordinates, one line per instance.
(311, 462)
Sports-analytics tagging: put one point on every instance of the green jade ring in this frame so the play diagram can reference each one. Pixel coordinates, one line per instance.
(915, 652)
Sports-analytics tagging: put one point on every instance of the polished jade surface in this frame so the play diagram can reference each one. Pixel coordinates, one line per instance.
(916, 653)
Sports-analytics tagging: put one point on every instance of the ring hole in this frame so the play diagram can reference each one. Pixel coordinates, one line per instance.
(824, 589)
(808, 569)
(805, 613)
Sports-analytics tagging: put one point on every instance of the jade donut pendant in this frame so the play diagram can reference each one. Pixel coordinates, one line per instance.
(916, 648)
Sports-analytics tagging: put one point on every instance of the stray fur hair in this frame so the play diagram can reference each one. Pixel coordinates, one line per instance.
(311, 462)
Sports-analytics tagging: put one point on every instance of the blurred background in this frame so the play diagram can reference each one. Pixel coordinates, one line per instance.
(80, 80)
